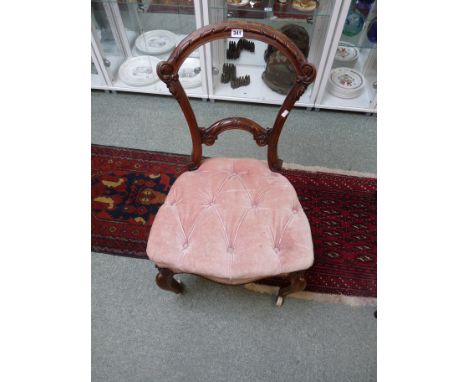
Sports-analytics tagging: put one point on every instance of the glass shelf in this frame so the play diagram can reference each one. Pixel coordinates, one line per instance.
(360, 41)
(155, 6)
(176, 16)
(268, 9)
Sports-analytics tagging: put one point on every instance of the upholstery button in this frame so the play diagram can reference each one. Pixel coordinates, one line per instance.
(277, 249)
(185, 245)
(230, 248)
(295, 210)
(254, 205)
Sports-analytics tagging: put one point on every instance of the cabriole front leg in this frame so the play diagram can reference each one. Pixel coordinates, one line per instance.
(297, 283)
(165, 280)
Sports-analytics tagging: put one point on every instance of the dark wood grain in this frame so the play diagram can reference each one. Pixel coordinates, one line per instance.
(165, 280)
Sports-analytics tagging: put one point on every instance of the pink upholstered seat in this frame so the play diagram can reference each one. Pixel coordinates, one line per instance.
(233, 221)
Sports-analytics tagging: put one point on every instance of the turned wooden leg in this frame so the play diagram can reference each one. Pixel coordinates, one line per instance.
(165, 280)
(192, 166)
(297, 283)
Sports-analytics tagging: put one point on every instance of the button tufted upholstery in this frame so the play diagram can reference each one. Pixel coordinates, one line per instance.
(232, 221)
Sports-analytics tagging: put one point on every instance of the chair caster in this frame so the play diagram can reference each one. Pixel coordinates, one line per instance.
(181, 288)
(279, 300)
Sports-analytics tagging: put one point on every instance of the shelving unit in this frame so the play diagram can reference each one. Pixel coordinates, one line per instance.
(366, 64)
(97, 77)
(117, 24)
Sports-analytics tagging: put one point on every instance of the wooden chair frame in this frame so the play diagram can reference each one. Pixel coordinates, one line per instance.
(168, 72)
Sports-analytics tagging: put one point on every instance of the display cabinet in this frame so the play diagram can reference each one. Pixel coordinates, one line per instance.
(350, 79)
(129, 38)
(97, 77)
(263, 74)
(106, 48)
(147, 31)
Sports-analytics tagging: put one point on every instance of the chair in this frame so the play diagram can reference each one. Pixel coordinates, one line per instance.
(233, 221)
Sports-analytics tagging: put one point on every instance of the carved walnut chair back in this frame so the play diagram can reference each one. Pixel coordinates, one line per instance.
(161, 242)
(305, 75)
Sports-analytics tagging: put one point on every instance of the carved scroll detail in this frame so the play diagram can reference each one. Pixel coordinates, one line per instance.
(210, 134)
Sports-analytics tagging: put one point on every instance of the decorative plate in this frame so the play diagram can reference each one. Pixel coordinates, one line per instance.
(139, 71)
(156, 41)
(346, 83)
(190, 73)
(304, 5)
(237, 3)
(346, 53)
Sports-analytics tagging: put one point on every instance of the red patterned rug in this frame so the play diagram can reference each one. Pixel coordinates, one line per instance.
(128, 186)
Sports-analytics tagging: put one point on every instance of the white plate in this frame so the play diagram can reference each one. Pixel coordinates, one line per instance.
(346, 83)
(242, 2)
(165, 56)
(156, 41)
(346, 53)
(139, 71)
(187, 76)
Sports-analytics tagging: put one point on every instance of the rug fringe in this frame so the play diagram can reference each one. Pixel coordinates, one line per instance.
(318, 297)
(294, 166)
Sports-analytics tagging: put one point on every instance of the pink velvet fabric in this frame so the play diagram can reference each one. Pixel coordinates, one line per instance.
(232, 221)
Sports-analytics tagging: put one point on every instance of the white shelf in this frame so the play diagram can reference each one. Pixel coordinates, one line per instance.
(361, 103)
(165, 56)
(257, 91)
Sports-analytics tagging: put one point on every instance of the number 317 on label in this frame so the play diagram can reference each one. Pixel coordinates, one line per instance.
(237, 33)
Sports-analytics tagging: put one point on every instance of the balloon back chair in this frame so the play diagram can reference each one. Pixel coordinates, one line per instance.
(233, 221)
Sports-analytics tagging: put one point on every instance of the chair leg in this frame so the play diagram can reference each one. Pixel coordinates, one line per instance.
(277, 166)
(297, 283)
(165, 280)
